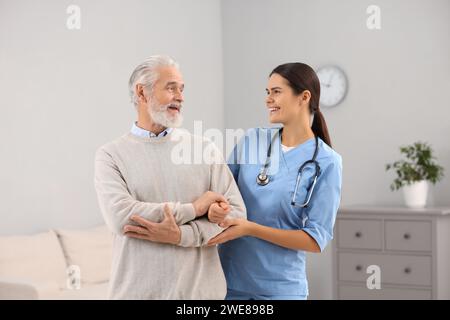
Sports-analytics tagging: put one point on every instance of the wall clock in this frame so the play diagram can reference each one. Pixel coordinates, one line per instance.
(333, 85)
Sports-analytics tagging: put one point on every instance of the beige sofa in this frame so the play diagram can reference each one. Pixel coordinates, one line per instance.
(57, 264)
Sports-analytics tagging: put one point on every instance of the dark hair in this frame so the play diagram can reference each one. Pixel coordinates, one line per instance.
(302, 77)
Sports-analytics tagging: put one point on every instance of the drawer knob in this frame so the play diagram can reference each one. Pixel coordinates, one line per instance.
(407, 270)
(358, 234)
(406, 236)
(358, 267)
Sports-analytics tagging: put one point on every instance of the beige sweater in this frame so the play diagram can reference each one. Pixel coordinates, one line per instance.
(135, 175)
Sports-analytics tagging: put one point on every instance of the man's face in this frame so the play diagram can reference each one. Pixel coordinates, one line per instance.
(164, 105)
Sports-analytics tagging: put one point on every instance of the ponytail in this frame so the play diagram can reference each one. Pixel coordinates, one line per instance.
(319, 127)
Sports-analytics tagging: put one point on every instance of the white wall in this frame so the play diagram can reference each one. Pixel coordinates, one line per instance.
(64, 93)
(399, 84)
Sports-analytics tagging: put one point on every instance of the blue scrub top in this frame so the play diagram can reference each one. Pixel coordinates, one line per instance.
(256, 266)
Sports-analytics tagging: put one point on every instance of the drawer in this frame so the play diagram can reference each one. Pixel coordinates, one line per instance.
(362, 293)
(359, 233)
(408, 235)
(398, 269)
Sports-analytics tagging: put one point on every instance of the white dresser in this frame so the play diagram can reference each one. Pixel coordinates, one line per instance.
(411, 247)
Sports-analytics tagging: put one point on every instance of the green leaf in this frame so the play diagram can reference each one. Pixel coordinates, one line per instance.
(417, 164)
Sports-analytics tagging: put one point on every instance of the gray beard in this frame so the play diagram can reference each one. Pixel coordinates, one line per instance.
(159, 115)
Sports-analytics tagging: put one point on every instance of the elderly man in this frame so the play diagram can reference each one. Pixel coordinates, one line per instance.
(162, 213)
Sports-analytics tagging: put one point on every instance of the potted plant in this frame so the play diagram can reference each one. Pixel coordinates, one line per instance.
(414, 173)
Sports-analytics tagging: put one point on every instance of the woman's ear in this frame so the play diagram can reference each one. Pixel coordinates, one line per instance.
(304, 97)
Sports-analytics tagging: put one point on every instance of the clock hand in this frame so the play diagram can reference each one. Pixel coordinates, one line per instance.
(329, 81)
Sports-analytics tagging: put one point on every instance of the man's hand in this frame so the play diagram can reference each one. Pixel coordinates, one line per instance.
(167, 231)
(202, 204)
(218, 211)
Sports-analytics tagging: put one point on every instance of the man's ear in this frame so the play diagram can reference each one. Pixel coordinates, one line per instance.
(140, 93)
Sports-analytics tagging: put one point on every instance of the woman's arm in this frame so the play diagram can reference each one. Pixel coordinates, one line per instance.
(291, 239)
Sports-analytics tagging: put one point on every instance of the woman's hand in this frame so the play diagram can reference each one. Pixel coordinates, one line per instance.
(202, 204)
(236, 228)
(218, 211)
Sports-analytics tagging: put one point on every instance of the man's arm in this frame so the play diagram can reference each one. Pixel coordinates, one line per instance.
(195, 233)
(198, 232)
(116, 203)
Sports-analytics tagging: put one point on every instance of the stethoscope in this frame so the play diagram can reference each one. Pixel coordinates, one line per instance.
(263, 179)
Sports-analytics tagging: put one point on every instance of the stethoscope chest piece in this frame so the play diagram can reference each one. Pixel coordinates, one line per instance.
(262, 179)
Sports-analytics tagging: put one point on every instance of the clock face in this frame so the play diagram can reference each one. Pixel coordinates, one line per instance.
(333, 85)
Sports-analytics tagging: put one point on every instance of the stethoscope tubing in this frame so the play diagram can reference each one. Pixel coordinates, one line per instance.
(263, 179)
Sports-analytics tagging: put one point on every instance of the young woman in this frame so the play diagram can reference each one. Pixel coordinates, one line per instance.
(292, 196)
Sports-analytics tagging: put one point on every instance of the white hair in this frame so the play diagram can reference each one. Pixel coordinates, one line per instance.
(147, 74)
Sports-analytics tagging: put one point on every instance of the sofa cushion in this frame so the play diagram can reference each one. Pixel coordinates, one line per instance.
(36, 258)
(90, 250)
(95, 291)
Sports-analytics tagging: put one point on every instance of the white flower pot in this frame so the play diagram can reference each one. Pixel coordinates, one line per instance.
(416, 194)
